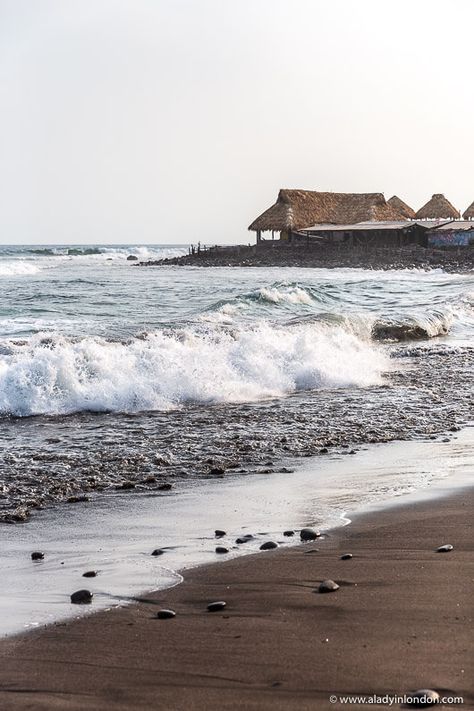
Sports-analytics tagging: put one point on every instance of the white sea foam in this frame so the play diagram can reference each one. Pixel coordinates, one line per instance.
(170, 369)
(18, 268)
(291, 295)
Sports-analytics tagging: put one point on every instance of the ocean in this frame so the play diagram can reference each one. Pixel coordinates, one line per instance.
(156, 391)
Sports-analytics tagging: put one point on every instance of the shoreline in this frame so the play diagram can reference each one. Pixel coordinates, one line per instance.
(115, 536)
(275, 254)
(388, 629)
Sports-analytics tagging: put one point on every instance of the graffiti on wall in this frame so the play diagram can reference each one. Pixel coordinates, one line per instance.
(451, 239)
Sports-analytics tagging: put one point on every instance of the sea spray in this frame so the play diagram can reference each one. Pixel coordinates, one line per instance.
(171, 368)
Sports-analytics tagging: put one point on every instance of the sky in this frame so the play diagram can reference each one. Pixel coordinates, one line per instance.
(173, 121)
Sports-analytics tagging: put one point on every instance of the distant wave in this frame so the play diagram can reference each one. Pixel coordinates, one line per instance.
(169, 369)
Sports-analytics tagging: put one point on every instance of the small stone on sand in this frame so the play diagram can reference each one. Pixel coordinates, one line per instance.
(81, 597)
(37, 555)
(346, 556)
(89, 574)
(423, 698)
(328, 586)
(158, 551)
(288, 533)
(309, 534)
(219, 533)
(221, 549)
(244, 539)
(165, 614)
(216, 606)
(445, 549)
(268, 546)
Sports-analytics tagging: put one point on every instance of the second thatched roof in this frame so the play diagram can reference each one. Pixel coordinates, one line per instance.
(297, 209)
(469, 213)
(401, 207)
(438, 208)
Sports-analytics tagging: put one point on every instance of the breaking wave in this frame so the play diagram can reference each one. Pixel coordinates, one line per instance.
(169, 369)
(18, 268)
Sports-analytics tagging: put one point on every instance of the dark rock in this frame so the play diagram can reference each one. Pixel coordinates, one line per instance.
(126, 485)
(89, 574)
(445, 549)
(158, 551)
(132, 258)
(423, 698)
(216, 606)
(288, 533)
(221, 549)
(165, 614)
(81, 597)
(218, 533)
(268, 546)
(346, 556)
(37, 555)
(323, 450)
(309, 534)
(165, 487)
(217, 471)
(328, 586)
(77, 499)
(244, 539)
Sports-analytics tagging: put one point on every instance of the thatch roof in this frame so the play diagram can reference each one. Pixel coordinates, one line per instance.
(469, 213)
(401, 207)
(297, 209)
(438, 208)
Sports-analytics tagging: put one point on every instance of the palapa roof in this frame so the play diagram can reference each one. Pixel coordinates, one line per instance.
(297, 209)
(469, 213)
(438, 208)
(401, 207)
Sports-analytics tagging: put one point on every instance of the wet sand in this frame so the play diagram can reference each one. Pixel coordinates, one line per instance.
(401, 620)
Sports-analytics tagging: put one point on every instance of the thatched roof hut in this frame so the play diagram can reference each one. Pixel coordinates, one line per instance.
(469, 213)
(297, 209)
(401, 207)
(438, 208)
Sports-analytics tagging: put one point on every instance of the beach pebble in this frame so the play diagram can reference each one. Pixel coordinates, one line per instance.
(221, 549)
(244, 539)
(423, 698)
(37, 555)
(165, 487)
(165, 614)
(158, 551)
(445, 549)
(216, 606)
(328, 586)
(81, 597)
(268, 546)
(89, 574)
(219, 533)
(346, 556)
(288, 533)
(309, 534)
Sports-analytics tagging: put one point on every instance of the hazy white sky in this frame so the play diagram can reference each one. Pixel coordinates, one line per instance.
(177, 120)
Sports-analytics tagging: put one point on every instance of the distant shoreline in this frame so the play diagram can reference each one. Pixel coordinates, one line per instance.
(277, 255)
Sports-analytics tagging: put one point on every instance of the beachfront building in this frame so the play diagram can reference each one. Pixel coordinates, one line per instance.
(352, 218)
(297, 210)
(456, 233)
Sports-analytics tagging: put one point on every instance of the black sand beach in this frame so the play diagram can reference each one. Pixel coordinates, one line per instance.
(401, 620)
